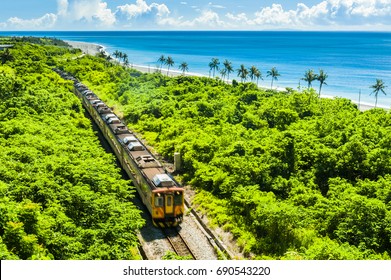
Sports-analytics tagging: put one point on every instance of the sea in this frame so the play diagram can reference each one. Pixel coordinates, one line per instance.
(352, 60)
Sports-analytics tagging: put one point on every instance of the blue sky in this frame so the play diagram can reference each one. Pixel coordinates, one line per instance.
(196, 15)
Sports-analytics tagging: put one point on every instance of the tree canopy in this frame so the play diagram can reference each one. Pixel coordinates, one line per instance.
(61, 195)
(290, 175)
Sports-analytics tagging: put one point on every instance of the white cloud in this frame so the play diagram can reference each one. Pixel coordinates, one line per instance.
(242, 17)
(216, 6)
(62, 7)
(273, 15)
(44, 22)
(364, 8)
(327, 13)
(207, 20)
(141, 8)
(302, 16)
(92, 11)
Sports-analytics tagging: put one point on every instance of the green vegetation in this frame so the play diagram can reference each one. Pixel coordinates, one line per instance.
(118, 55)
(290, 175)
(61, 195)
(173, 256)
(6, 56)
(37, 41)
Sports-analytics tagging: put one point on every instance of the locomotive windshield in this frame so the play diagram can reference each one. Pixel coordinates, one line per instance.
(178, 198)
(159, 202)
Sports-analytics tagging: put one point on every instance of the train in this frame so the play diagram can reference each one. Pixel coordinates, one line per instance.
(159, 192)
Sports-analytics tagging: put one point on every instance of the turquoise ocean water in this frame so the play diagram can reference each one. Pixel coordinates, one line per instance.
(353, 60)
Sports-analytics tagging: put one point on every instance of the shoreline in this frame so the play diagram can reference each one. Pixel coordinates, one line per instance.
(92, 49)
(87, 48)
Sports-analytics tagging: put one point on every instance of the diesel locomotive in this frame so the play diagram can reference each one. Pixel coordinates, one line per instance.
(160, 193)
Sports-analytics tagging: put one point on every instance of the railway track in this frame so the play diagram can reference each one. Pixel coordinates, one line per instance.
(178, 243)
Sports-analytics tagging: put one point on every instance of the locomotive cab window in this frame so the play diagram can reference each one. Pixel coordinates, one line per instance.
(178, 198)
(159, 201)
(169, 200)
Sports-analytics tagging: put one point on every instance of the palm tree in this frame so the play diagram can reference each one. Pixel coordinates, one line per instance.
(214, 64)
(169, 62)
(322, 78)
(252, 72)
(228, 67)
(162, 60)
(223, 73)
(258, 75)
(242, 73)
(124, 57)
(108, 60)
(379, 86)
(126, 63)
(184, 67)
(116, 53)
(309, 77)
(120, 55)
(102, 54)
(274, 74)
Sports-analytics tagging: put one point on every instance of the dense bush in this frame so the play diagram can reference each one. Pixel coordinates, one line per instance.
(61, 194)
(288, 174)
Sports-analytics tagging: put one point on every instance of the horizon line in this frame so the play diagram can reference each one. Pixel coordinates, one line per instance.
(206, 30)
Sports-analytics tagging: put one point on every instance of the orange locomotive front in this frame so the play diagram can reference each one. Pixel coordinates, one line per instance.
(167, 206)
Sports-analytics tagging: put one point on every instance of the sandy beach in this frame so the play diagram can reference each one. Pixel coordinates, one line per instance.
(92, 49)
(87, 48)
(172, 73)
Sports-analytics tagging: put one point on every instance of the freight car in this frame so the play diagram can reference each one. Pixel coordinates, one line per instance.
(158, 190)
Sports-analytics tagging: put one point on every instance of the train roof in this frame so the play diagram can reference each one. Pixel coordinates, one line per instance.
(136, 154)
(119, 128)
(147, 161)
(127, 138)
(114, 120)
(104, 110)
(150, 173)
(108, 115)
(121, 137)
